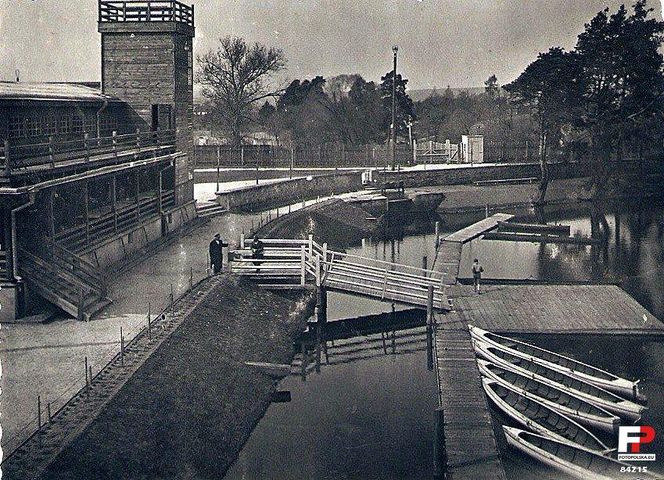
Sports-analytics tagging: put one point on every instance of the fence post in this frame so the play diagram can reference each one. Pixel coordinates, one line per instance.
(218, 165)
(50, 151)
(242, 155)
(311, 244)
(303, 270)
(115, 143)
(292, 162)
(87, 381)
(149, 321)
(138, 139)
(121, 348)
(242, 240)
(7, 158)
(39, 422)
(318, 275)
(86, 144)
(325, 256)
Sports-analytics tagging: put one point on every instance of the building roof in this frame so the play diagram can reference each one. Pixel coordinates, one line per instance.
(59, 92)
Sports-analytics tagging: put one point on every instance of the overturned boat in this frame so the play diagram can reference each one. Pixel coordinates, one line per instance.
(597, 396)
(540, 418)
(601, 378)
(566, 457)
(560, 399)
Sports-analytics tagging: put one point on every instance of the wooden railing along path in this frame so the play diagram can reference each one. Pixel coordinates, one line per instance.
(60, 153)
(287, 263)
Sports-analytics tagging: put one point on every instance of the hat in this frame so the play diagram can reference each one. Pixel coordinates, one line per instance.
(217, 235)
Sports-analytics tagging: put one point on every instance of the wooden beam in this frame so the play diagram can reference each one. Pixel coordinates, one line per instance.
(534, 228)
(516, 237)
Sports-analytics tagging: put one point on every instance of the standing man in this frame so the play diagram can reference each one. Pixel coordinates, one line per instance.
(217, 253)
(257, 250)
(477, 275)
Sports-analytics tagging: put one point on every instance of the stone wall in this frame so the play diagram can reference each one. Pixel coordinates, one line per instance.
(467, 175)
(289, 191)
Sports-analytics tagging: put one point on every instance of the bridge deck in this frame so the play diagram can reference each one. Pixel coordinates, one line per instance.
(472, 451)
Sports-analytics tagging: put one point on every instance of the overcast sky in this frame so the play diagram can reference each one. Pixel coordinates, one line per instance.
(441, 42)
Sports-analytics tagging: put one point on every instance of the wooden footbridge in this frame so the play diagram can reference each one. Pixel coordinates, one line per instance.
(288, 263)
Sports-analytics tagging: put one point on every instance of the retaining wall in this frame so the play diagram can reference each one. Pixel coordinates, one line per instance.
(289, 191)
(468, 175)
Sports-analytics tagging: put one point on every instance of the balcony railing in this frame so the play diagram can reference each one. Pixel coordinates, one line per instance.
(62, 153)
(111, 11)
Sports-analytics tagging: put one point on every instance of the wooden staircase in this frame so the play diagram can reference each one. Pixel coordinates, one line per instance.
(65, 280)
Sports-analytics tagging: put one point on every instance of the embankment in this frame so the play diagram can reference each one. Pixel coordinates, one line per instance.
(338, 222)
(190, 407)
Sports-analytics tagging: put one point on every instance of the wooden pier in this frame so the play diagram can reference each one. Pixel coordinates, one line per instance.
(470, 446)
(469, 443)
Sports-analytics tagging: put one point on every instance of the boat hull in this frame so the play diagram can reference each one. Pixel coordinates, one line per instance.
(618, 385)
(623, 408)
(533, 425)
(608, 423)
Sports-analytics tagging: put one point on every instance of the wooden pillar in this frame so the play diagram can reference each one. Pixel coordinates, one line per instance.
(86, 201)
(439, 450)
(303, 266)
(51, 220)
(322, 304)
(138, 195)
(114, 199)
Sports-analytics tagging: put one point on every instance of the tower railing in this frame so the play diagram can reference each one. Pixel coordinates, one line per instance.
(114, 11)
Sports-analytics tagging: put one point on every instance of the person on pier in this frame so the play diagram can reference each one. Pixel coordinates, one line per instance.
(217, 253)
(477, 275)
(257, 250)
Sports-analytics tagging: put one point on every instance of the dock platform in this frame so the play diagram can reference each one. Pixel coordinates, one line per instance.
(470, 445)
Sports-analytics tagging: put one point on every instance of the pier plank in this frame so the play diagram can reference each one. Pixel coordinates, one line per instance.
(476, 229)
(472, 451)
(574, 309)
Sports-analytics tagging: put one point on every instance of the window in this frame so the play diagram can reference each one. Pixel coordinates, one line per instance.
(107, 124)
(77, 124)
(50, 125)
(65, 124)
(33, 126)
(90, 124)
(16, 127)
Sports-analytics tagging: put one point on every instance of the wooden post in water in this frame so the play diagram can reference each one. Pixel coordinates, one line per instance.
(439, 451)
(430, 328)
(425, 263)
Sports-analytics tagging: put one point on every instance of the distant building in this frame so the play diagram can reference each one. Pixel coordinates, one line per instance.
(88, 176)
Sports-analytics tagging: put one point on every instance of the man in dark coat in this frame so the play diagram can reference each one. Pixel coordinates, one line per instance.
(216, 253)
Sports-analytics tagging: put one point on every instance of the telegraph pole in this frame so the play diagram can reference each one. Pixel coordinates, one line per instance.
(395, 50)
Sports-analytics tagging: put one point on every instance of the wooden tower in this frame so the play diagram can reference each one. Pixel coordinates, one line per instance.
(147, 62)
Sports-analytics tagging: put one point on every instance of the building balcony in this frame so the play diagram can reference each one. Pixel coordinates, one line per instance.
(145, 11)
(41, 160)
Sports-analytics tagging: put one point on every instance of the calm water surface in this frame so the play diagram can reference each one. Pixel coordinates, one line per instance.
(373, 418)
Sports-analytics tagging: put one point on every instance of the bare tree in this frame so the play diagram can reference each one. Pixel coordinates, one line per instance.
(235, 77)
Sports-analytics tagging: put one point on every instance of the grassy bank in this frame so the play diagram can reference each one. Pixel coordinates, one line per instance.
(191, 406)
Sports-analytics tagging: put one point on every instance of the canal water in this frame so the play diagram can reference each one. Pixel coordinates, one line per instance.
(373, 418)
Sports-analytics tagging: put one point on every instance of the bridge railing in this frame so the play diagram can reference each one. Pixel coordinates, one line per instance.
(289, 262)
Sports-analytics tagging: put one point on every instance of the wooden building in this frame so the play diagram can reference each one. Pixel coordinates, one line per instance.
(89, 176)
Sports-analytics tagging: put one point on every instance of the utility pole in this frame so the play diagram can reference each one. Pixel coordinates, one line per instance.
(395, 50)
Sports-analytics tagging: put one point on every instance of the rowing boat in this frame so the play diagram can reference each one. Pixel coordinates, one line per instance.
(538, 417)
(568, 458)
(561, 363)
(597, 396)
(560, 399)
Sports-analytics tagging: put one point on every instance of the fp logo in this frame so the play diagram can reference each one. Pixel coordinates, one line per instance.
(630, 440)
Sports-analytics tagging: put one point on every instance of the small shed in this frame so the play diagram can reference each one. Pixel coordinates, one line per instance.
(472, 149)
